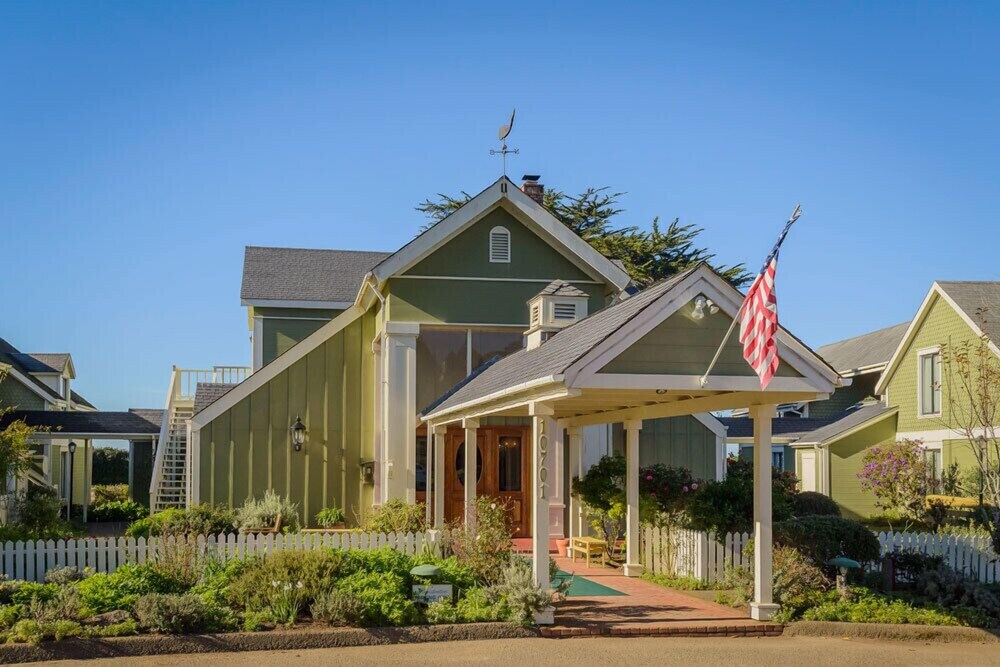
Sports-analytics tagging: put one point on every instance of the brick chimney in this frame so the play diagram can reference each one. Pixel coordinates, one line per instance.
(531, 187)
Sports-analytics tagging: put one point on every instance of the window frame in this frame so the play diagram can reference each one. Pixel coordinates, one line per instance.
(499, 229)
(921, 355)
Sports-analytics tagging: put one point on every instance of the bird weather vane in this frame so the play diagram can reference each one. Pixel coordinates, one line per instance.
(502, 135)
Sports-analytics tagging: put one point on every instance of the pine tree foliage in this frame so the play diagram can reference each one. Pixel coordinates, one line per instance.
(648, 255)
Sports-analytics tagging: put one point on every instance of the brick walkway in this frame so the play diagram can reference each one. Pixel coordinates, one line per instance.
(646, 609)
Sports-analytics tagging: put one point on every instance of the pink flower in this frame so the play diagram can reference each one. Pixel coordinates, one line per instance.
(649, 478)
(694, 486)
(685, 489)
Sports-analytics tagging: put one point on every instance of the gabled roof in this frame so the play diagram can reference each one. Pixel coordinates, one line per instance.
(866, 353)
(41, 362)
(527, 211)
(977, 303)
(568, 351)
(859, 416)
(319, 278)
(207, 393)
(23, 366)
(561, 288)
(784, 428)
(153, 415)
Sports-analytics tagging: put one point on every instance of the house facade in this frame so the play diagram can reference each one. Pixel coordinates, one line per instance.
(901, 389)
(355, 346)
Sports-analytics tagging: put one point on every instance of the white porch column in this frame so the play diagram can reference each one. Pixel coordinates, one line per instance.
(438, 434)
(576, 527)
(632, 566)
(543, 430)
(762, 608)
(399, 463)
(471, 454)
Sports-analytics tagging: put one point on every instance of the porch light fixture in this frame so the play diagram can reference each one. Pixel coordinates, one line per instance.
(701, 303)
(298, 434)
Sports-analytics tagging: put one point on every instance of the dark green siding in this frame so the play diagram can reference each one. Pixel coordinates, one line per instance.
(13, 394)
(247, 449)
(861, 387)
(467, 254)
(674, 441)
(681, 345)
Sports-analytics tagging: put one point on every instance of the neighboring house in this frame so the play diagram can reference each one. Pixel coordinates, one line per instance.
(899, 390)
(354, 346)
(37, 388)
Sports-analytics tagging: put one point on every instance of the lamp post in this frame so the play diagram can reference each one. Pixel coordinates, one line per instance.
(298, 434)
(69, 499)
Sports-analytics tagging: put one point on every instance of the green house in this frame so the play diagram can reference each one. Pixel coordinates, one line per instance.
(355, 345)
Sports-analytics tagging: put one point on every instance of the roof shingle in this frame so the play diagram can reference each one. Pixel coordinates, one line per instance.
(866, 350)
(301, 274)
(980, 301)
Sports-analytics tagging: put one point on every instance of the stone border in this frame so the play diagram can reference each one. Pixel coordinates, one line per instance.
(274, 640)
(894, 632)
(666, 629)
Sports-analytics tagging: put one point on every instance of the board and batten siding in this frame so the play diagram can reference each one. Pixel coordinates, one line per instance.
(673, 441)
(861, 387)
(681, 345)
(941, 326)
(247, 449)
(846, 455)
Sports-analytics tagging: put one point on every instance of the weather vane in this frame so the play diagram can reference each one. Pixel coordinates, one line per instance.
(502, 135)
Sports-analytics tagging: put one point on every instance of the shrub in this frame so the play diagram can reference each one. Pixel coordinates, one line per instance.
(23, 592)
(517, 590)
(105, 592)
(106, 493)
(39, 510)
(821, 538)
(811, 503)
(384, 595)
(179, 614)
(678, 583)
(896, 474)
(798, 584)
(338, 608)
(386, 560)
(251, 585)
(863, 606)
(943, 586)
(203, 519)
(398, 516)
(727, 506)
(32, 632)
(118, 510)
(485, 549)
(263, 513)
(330, 517)
(179, 558)
(110, 466)
(911, 564)
(126, 628)
(65, 605)
(474, 607)
(10, 614)
(217, 576)
(453, 571)
(602, 491)
(285, 601)
(66, 575)
(669, 487)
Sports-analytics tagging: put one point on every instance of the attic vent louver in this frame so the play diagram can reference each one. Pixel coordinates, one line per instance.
(564, 311)
(499, 245)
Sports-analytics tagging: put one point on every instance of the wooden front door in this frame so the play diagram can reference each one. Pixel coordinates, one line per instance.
(503, 472)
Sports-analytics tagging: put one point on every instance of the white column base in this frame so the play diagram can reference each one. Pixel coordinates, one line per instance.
(546, 617)
(633, 569)
(760, 611)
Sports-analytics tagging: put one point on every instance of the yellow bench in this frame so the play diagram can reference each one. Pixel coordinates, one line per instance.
(589, 546)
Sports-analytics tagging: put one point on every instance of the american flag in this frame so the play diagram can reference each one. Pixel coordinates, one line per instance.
(759, 323)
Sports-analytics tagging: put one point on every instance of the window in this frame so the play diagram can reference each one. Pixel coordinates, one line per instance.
(421, 464)
(778, 460)
(564, 311)
(935, 466)
(929, 383)
(499, 245)
(487, 343)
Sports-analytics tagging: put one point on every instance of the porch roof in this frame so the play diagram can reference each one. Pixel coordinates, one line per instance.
(107, 425)
(566, 370)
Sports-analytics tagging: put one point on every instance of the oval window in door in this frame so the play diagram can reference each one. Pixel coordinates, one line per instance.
(460, 464)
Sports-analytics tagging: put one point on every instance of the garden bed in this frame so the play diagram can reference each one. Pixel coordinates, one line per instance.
(308, 636)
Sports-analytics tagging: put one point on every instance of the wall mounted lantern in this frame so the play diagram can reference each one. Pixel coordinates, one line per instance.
(298, 434)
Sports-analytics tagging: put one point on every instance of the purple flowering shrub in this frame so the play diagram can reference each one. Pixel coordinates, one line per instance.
(896, 475)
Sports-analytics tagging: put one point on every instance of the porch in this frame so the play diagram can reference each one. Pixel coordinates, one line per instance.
(637, 360)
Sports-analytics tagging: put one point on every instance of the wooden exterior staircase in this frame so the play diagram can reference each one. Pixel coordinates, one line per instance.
(171, 465)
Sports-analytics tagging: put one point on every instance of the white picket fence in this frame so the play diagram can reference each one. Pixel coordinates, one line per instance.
(971, 555)
(30, 560)
(689, 553)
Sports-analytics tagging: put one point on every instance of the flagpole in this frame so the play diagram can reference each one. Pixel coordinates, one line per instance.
(795, 216)
(718, 352)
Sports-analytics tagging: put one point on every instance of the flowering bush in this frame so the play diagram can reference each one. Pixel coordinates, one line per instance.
(896, 475)
(285, 601)
(727, 506)
(668, 487)
(486, 548)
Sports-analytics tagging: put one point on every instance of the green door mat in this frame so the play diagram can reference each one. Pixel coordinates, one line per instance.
(582, 587)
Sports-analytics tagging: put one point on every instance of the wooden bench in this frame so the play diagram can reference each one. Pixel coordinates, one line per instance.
(266, 531)
(589, 546)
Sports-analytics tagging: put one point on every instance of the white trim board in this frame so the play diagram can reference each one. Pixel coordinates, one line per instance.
(485, 279)
(935, 292)
(297, 303)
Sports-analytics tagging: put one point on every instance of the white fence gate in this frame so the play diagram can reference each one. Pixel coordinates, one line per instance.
(30, 560)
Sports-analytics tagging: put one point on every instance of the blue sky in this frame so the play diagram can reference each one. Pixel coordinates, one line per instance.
(145, 144)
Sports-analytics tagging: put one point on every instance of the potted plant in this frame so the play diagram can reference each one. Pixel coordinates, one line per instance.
(330, 518)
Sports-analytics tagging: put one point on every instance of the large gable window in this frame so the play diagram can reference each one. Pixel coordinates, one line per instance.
(499, 245)
(929, 382)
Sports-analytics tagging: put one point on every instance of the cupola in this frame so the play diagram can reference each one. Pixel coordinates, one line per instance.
(555, 307)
